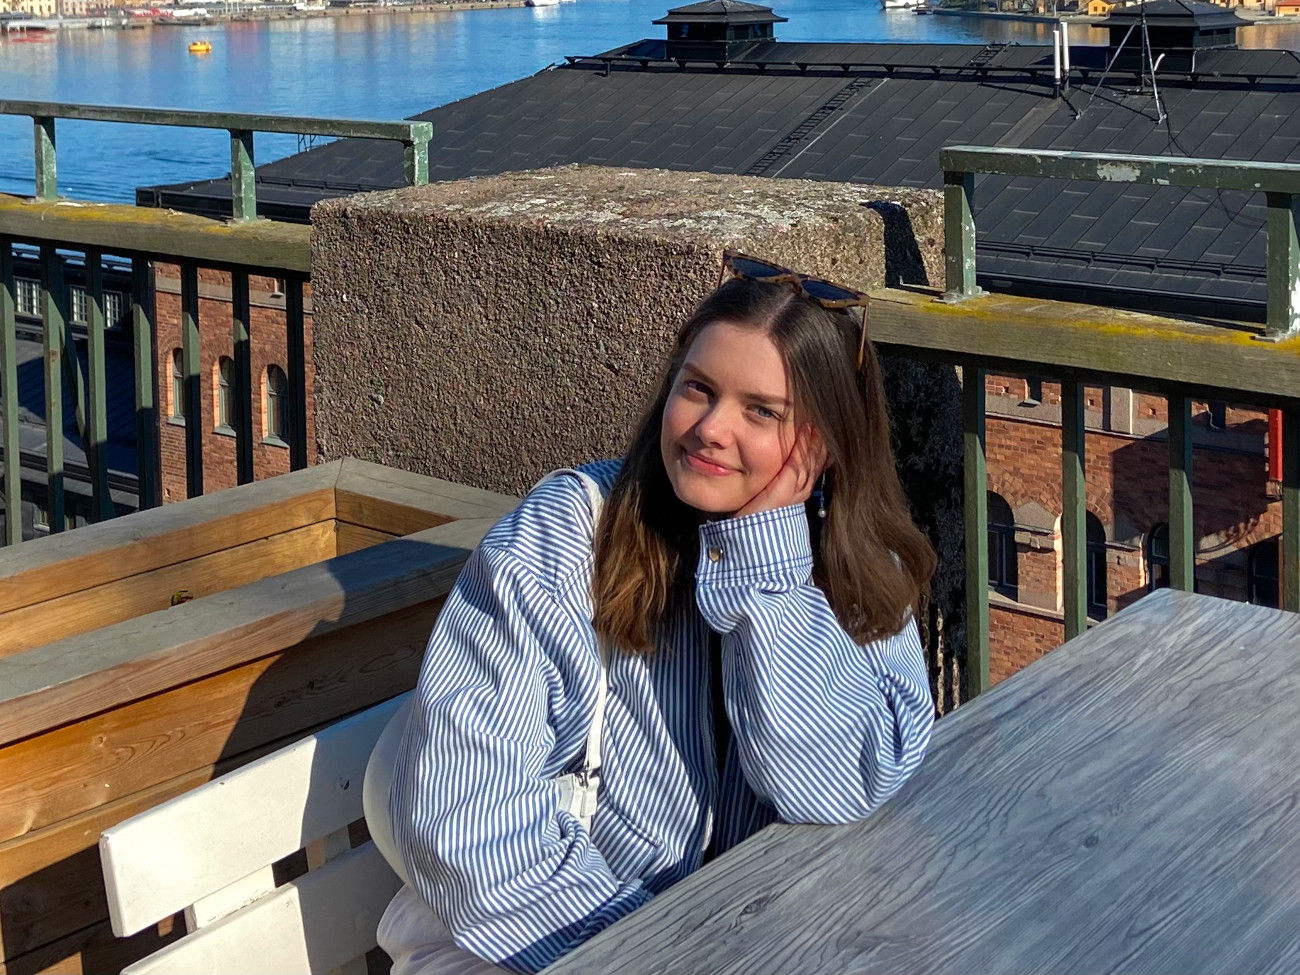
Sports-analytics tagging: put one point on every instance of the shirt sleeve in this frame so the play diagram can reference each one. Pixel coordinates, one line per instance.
(516, 880)
(826, 729)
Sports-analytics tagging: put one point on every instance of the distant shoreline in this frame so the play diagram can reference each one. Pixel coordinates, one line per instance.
(260, 12)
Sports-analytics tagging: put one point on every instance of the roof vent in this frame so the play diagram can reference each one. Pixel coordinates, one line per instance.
(1177, 29)
(717, 30)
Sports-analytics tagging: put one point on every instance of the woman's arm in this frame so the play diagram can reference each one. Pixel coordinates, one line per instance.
(826, 729)
(515, 880)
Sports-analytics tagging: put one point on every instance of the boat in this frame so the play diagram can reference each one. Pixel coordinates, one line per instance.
(899, 4)
(200, 47)
(540, 3)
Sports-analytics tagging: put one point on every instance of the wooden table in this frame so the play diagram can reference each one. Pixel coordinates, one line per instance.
(1130, 803)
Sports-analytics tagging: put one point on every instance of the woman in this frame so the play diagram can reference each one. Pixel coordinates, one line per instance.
(763, 661)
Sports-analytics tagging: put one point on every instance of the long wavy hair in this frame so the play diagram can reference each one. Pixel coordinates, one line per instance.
(869, 558)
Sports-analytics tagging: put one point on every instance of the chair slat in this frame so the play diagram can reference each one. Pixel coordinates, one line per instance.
(319, 922)
(174, 855)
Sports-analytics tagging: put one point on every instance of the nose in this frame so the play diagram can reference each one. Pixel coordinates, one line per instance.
(715, 427)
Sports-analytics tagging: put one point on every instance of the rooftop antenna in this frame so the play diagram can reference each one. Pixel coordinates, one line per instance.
(1147, 64)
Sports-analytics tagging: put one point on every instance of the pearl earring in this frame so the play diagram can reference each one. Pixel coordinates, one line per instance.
(821, 498)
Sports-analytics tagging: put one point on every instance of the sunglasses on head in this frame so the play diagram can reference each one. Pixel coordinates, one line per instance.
(828, 294)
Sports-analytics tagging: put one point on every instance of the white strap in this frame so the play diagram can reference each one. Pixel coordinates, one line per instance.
(578, 791)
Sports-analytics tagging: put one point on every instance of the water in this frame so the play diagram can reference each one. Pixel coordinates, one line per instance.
(377, 67)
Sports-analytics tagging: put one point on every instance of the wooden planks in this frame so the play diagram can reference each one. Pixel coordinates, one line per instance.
(51, 882)
(1004, 332)
(353, 538)
(1127, 803)
(80, 676)
(150, 591)
(399, 502)
(79, 766)
(122, 547)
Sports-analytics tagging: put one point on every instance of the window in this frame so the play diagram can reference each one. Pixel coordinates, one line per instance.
(178, 386)
(225, 394)
(28, 297)
(80, 305)
(1158, 557)
(1262, 573)
(114, 308)
(277, 404)
(1096, 565)
(1003, 575)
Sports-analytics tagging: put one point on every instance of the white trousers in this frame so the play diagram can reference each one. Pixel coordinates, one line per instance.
(420, 944)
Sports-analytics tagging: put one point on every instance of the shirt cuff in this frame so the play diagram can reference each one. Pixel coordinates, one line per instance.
(770, 548)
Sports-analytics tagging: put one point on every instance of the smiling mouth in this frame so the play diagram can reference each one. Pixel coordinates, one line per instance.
(702, 466)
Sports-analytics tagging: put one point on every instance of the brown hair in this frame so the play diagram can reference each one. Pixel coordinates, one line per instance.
(870, 559)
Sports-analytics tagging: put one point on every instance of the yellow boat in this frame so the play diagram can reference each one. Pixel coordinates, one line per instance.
(200, 47)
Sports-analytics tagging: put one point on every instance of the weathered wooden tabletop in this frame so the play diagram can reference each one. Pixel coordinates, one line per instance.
(1130, 803)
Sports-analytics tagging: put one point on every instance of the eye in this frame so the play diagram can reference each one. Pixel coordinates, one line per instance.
(695, 386)
(764, 413)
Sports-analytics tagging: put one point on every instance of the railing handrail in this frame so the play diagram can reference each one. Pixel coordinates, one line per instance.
(1184, 171)
(413, 135)
(404, 131)
(1280, 182)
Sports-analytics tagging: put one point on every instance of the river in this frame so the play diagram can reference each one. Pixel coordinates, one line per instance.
(383, 66)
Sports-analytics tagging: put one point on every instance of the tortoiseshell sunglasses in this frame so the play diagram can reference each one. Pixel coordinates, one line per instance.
(828, 294)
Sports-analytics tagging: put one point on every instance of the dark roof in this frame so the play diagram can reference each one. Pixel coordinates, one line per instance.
(722, 12)
(1175, 13)
(879, 114)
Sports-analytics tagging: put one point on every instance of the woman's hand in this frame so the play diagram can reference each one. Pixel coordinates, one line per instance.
(794, 482)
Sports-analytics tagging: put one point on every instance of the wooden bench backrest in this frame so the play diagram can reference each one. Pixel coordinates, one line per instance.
(210, 853)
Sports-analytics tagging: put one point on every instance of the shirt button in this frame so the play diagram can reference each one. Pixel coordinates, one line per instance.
(715, 554)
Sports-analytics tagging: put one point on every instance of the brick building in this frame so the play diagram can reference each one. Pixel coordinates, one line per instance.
(217, 403)
(1236, 517)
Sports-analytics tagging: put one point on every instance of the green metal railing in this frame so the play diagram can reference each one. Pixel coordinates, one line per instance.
(414, 137)
(243, 246)
(1281, 185)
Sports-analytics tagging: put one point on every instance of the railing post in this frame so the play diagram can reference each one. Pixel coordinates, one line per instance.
(1289, 548)
(54, 323)
(9, 396)
(46, 170)
(243, 180)
(148, 478)
(295, 323)
(976, 520)
(243, 386)
(1073, 518)
(1283, 267)
(415, 154)
(959, 234)
(1182, 541)
(96, 441)
(193, 407)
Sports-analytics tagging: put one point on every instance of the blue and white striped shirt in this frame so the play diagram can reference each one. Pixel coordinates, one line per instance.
(823, 730)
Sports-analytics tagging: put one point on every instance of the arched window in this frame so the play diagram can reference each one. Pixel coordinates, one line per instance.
(1158, 557)
(1262, 573)
(1096, 559)
(178, 386)
(1003, 576)
(225, 393)
(277, 403)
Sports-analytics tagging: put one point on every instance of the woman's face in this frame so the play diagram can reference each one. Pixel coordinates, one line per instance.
(728, 424)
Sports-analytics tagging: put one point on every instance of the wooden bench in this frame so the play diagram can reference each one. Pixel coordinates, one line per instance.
(211, 853)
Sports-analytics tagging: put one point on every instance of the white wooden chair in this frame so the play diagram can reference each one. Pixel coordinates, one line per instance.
(210, 852)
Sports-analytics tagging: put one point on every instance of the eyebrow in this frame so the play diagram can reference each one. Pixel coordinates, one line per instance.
(764, 398)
